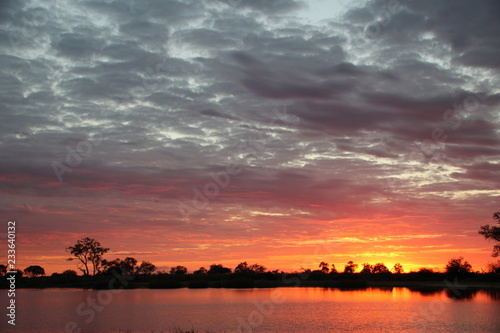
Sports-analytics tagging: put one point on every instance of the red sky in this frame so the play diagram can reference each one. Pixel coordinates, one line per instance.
(192, 134)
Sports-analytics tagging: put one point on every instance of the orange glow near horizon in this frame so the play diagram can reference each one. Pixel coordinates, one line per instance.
(289, 255)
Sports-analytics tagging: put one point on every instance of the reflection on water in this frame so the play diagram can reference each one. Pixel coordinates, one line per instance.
(459, 293)
(495, 295)
(258, 310)
(426, 291)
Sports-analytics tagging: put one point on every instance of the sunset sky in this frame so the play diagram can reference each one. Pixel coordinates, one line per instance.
(285, 133)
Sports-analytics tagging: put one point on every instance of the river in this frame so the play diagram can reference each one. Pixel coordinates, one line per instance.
(254, 310)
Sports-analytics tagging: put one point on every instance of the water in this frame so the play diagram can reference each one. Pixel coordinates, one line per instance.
(257, 310)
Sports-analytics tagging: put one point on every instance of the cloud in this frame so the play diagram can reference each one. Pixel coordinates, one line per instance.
(326, 121)
(214, 113)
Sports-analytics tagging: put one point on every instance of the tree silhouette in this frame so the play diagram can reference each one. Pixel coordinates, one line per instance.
(3, 270)
(129, 266)
(324, 267)
(218, 269)
(258, 269)
(398, 268)
(426, 270)
(333, 270)
(146, 268)
(242, 268)
(69, 273)
(89, 252)
(456, 267)
(178, 270)
(112, 265)
(493, 267)
(201, 271)
(34, 271)
(367, 269)
(492, 232)
(350, 267)
(380, 268)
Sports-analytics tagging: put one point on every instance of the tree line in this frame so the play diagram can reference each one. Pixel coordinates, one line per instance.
(129, 266)
(88, 253)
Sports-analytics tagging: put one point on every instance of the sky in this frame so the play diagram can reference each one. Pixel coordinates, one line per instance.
(284, 133)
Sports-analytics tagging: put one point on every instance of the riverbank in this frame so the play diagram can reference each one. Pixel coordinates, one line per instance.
(342, 281)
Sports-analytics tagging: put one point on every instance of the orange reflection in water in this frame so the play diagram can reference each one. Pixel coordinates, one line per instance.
(313, 295)
(358, 295)
(290, 310)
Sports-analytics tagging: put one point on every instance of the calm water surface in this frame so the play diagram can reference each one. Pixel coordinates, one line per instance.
(254, 310)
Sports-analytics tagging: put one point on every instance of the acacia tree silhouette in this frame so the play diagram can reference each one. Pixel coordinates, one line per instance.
(492, 232)
(89, 252)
